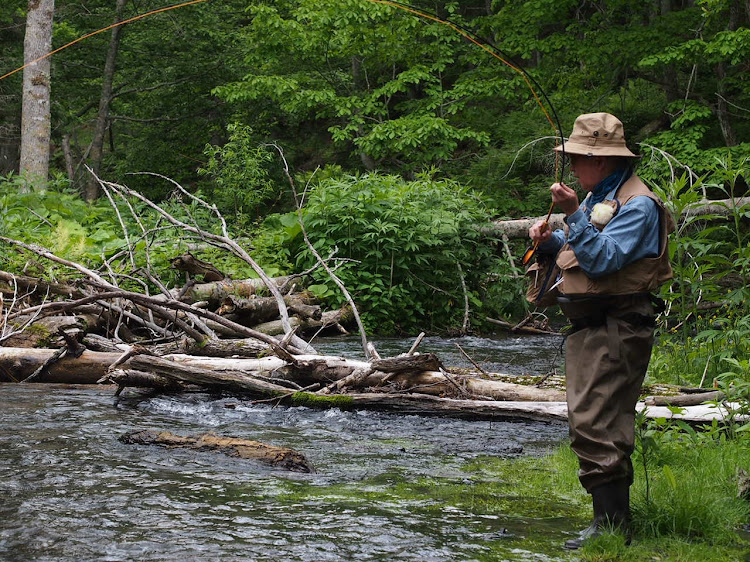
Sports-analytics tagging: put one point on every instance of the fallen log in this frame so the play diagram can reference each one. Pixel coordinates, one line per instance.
(422, 404)
(685, 399)
(229, 380)
(329, 319)
(131, 378)
(47, 329)
(217, 291)
(436, 384)
(279, 457)
(17, 364)
(251, 375)
(255, 310)
(234, 347)
(519, 228)
(9, 282)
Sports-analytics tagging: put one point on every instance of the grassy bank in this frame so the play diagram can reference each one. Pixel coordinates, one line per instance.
(685, 505)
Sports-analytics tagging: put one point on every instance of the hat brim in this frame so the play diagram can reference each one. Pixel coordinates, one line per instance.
(598, 150)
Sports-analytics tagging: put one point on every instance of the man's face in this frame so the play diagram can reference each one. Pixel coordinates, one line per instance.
(589, 170)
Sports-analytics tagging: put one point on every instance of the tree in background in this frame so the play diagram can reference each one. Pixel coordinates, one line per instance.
(35, 117)
(102, 116)
(365, 86)
(380, 85)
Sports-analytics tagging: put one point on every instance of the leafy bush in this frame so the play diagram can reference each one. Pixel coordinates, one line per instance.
(406, 246)
(241, 180)
(58, 219)
(711, 261)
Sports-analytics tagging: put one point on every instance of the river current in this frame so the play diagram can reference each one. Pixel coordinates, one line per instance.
(71, 491)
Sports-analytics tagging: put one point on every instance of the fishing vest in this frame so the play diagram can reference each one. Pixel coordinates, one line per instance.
(642, 276)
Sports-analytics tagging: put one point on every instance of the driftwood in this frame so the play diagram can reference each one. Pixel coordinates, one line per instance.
(9, 282)
(133, 378)
(329, 319)
(234, 347)
(17, 364)
(279, 457)
(252, 375)
(256, 309)
(46, 330)
(229, 380)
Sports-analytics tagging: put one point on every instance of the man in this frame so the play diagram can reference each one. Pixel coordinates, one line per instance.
(612, 256)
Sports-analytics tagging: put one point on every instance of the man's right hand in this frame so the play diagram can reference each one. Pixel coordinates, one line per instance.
(540, 232)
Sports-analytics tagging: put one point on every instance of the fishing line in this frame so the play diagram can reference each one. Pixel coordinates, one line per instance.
(531, 82)
(465, 32)
(116, 24)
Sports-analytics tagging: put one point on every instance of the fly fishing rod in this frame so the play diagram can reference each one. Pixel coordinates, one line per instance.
(461, 29)
(531, 82)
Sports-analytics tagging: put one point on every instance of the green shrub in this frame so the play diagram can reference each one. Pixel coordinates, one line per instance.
(406, 246)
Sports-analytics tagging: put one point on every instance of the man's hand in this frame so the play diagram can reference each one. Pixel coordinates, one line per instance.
(540, 232)
(565, 198)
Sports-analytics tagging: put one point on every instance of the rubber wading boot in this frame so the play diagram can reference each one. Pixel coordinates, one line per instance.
(611, 513)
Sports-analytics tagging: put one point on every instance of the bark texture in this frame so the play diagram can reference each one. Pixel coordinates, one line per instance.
(35, 113)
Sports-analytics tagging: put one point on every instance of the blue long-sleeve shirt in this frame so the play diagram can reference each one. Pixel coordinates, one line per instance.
(632, 234)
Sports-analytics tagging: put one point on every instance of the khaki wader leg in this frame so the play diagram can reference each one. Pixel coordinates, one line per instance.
(602, 391)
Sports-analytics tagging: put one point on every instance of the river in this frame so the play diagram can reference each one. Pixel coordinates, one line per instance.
(71, 491)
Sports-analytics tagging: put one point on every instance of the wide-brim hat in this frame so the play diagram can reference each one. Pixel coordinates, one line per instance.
(597, 134)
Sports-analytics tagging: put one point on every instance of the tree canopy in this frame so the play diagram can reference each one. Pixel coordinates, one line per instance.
(368, 86)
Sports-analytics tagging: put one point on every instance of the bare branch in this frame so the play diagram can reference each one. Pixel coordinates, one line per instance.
(321, 261)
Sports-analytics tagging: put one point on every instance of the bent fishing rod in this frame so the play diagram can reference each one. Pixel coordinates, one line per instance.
(462, 30)
(531, 83)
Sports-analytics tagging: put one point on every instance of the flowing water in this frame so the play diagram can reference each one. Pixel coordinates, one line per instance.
(71, 491)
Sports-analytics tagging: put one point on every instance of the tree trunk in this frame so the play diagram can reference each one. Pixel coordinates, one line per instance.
(102, 117)
(722, 109)
(35, 113)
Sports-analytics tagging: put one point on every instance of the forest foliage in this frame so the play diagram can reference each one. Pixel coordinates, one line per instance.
(406, 136)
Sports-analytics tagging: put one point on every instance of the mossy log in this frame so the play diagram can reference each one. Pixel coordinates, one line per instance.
(279, 457)
(424, 404)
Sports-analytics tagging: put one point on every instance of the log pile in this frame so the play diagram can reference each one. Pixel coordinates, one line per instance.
(239, 336)
(122, 325)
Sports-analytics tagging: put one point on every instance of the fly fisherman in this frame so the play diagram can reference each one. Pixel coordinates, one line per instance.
(612, 256)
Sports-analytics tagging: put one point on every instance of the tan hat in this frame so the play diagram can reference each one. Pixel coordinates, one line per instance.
(597, 134)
